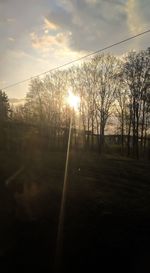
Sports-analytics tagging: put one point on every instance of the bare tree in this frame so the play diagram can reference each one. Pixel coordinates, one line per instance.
(106, 85)
(135, 73)
(4, 106)
(122, 111)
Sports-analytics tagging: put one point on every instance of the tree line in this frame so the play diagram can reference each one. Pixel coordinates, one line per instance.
(114, 96)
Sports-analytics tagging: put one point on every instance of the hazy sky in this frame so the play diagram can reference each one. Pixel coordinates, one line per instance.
(37, 35)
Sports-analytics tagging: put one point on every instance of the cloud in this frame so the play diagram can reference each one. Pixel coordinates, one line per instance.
(45, 42)
(11, 39)
(11, 20)
(63, 30)
(16, 102)
(49, 25)
(7, 21)
(138, 20)
(2, 83)
(95, 24)
(17, 54)
(133, 17)
(91, 22)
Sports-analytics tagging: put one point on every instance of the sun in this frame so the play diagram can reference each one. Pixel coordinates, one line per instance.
(73, 100)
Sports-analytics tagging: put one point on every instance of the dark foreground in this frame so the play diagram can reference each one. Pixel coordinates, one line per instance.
(107, 223)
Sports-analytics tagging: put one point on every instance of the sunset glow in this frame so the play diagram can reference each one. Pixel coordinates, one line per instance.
(73, 100)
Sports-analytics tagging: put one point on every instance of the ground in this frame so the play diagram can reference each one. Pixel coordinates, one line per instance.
(107, 215)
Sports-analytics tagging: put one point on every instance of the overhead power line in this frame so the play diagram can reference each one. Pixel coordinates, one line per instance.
(79, 59)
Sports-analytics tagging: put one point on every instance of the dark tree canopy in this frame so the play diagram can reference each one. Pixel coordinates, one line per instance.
(4, 106)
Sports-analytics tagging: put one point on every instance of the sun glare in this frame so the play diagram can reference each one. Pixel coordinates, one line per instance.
(73, 100)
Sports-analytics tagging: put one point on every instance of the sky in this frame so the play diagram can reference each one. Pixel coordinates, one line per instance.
(37, 35)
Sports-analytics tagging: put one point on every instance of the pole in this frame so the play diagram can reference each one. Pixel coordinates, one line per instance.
(59, 242)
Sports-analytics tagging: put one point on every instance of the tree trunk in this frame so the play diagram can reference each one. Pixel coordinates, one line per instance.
(92, 132)
(134, 127)
(129, 135)
(137, 130)
(101, 146)
(122, 132)
(142, 128)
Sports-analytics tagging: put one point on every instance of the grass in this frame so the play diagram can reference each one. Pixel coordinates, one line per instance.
(107, 223)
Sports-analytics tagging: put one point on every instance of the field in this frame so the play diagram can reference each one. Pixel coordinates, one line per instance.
(107, 216)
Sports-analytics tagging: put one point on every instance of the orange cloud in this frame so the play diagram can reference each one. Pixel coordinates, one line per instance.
(48, 25)
(46, 41)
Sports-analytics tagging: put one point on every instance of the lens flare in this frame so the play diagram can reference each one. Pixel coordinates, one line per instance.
(73, 100)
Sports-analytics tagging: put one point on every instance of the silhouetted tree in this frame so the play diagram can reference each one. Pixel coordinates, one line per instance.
(106, 86)
(135, 75)
(4, 106)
